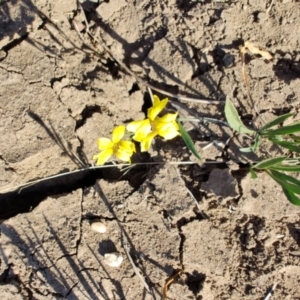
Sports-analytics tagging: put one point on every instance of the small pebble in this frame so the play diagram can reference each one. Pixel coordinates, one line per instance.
(113, 259)
(98, 227)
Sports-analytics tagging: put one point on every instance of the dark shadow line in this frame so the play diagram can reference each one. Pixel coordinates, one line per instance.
(115, 282)
(61, 277)
(54, 136)
(113, 34)
(123, 231)
(19, 241)
(9, 26)
(71, 262)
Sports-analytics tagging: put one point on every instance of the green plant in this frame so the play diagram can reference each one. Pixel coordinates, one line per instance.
(284, 136)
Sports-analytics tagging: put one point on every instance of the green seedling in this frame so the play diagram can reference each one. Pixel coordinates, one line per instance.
(285, 137)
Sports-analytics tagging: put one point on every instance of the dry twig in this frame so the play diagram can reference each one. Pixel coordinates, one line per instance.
(271, 292)
(137, 271)
(169, 281)
(95, 40)
(190, 193)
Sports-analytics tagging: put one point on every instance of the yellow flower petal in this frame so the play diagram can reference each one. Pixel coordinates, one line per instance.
(135, 125)
(167, 118)
(103, 156)
(160, 126)
(142, 131)
(127, 146)
(118, 133)
(156, 100)
(123, 155)
(104, 143)
(168, 132)
(157, 107)
(146, 142)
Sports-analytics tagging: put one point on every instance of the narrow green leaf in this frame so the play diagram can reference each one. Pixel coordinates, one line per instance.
(267, 163)
(276, 121)
(285, 168)
(256, 142)
(291, 184)
(246, 150)
(285, 177)
(234, 119)
(253, 173)
(278, 138)
(295, 138)
(288, 145)
(289, 189)
(188, 141)
(291, 197)
(283, 130)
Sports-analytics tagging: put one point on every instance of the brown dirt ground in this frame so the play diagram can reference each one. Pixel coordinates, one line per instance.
(57, 97)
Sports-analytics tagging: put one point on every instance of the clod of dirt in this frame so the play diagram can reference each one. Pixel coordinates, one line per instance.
(160, 61)
(221, 183)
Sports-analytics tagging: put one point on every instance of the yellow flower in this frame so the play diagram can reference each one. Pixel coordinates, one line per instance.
(146, 130)
(123, 150)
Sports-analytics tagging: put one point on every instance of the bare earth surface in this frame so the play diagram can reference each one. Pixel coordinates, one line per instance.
(57, 96)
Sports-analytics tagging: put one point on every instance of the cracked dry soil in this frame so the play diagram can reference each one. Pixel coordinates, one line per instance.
(57, 95)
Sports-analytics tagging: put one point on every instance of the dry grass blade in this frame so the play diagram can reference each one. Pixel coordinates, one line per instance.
(190, 193)
(245, 77)
(168, 282)
(243, 52)
(95, 40)
(78, 27)
(256, 50)
(137, 271)
(90, 168)
(270, 292)
(151, 94)
(270, 6)
(71, 151)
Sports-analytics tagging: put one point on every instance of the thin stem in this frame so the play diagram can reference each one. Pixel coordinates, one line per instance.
(92, 168)
(202, 120)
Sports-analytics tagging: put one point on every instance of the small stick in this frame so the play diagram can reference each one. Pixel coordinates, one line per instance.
(71, 151)
(270, 6)
(271, 292)
(135, 268)
(84, 16)
(24, 185)
(151, 94)
(138, 79)
(169, 281)
(190, 193)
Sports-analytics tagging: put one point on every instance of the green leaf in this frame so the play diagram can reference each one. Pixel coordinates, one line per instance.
(276, 138)
(188, 141)
(267, 163)
(234, 119)
(291, 197)
(253, 147)
(246, 150)
(286, 168)
(295, 138)
(285, 177)
(288, 145)
(287, 182)
(289, 189)
(256, 142)
(283, 130)
(276, 121)
(253, 173)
